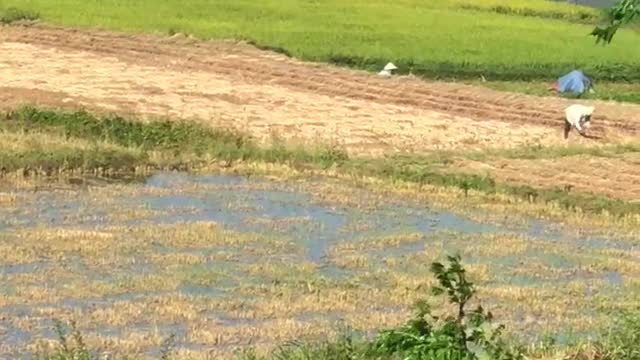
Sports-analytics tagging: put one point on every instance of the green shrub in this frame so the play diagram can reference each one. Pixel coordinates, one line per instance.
(622, 341)
(464, 336)
(12, 14)
(69, 348)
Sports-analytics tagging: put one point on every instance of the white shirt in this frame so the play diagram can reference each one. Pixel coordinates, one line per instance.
(579, 116)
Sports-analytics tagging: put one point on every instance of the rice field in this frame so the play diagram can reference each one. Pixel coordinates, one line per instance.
(224, 262)
(441, 39)
(225, 196)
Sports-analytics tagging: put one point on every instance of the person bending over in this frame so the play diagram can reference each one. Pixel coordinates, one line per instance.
(578, 117)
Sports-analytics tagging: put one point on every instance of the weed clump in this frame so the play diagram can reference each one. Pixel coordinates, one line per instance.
(13, 14)
(70, 346)
(621, 341)
(183, 144)
(464, 336)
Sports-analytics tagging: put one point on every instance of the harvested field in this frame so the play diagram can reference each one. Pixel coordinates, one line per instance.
(236, 85)
(614, 177)
(224, 262)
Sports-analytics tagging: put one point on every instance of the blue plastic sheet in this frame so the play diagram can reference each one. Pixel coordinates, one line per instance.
(575, 82)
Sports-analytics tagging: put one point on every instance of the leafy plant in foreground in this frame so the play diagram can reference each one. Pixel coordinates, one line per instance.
(463, 336)
(622, 13)
(70, 350)
(622, 340)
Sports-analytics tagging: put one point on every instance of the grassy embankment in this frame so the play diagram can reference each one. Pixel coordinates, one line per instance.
(526, 44)
(47, 143)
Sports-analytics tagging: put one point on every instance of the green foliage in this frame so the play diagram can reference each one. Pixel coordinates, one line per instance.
(534, 8)
(158, 135)
(509, 40)
(621, 91)
(433, 172)
(13, 14)
(582, 15)
(533, 152)
(72, 348)
(177, 139)
(464, 336)
(622, 341)
(48, 162)
(343, 348)
(614, 71)
(624, 12)
(173, 137)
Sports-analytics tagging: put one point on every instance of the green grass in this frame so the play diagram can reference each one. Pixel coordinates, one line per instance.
(438, 38)
(172, 137)
(535, 152)
(542, 9)
(12, 14)
(187, 145)
(617, 91)
(421, 171)
(48, 162)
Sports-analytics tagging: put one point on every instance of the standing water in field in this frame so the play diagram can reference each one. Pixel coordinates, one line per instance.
(217, 259)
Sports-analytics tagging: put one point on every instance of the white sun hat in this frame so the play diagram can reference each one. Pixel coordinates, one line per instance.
(390, 67)
(388, 70)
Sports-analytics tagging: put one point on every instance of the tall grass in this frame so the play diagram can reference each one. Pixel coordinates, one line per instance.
(13, 14)
(436, 38)
(172, 137)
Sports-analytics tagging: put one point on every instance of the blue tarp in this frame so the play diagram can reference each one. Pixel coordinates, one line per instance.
(575, 82)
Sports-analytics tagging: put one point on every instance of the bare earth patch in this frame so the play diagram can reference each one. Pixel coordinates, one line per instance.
(235, 85)
(614, 177)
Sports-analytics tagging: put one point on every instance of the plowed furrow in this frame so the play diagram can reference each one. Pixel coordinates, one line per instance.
(252, 65)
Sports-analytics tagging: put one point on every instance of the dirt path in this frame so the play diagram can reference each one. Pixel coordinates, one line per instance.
(230, 84)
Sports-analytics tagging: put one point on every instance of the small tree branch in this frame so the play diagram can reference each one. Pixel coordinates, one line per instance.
(624, 12)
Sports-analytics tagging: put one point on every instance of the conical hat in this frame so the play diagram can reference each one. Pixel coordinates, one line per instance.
(390, 66)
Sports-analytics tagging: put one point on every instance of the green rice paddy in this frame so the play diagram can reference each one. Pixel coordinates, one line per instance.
(500, 40)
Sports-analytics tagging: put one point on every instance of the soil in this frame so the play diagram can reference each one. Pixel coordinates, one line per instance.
(232, 84)
(617, 177)
(235, 85)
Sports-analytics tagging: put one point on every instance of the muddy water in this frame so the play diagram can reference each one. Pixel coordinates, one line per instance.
(326, 227)
(313, 225)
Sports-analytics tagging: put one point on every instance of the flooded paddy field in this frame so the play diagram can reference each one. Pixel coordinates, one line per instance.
(224, 262)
